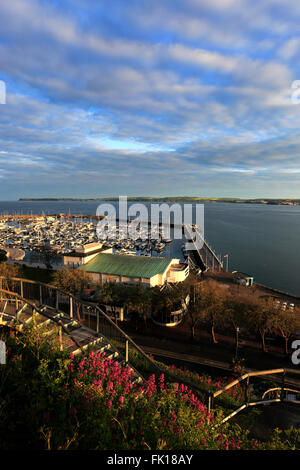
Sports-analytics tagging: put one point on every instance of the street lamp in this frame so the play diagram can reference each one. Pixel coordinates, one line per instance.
(237, 341)
(227, 259)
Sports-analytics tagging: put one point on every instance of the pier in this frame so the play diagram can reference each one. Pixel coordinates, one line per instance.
(205, 257)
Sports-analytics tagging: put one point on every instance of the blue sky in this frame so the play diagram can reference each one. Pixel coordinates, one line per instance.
(136, 97)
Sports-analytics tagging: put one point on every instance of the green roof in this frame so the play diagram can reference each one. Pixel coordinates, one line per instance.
(131, 266)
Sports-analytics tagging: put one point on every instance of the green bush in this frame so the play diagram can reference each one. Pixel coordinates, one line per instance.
(52, 400)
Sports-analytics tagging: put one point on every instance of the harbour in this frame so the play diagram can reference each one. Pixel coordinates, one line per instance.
(57, 235)
(253, 235)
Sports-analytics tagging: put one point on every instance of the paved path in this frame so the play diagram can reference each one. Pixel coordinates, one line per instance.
(186, 358)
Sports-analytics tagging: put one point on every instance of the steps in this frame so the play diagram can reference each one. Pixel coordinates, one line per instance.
(86, 338)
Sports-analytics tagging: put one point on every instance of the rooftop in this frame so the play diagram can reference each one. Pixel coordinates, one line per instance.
(90, 246)
(131, 266)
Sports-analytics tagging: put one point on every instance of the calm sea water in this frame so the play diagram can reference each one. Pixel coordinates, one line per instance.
(261, 240)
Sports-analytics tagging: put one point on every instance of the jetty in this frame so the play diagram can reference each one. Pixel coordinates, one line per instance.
(204, 256)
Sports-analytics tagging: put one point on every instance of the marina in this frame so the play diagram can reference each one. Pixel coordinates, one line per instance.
(47, 239)
(254, 236)
(41, 238)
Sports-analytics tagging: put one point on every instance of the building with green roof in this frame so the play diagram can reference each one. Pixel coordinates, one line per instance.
(128, 269)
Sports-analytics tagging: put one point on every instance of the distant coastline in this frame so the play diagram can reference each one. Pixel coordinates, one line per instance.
(289, 202)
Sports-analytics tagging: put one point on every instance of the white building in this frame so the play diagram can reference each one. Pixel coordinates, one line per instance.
(84, 254)
(150, 271)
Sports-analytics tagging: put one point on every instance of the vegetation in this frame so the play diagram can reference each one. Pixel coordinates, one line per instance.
(8, 271)
(212, 306)
(71, 280)
(230, 400)
(36, 274)
(175, 199)
(51, 400)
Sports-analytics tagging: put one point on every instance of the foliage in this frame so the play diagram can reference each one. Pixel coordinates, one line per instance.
(288, 439)
(286, 323)
(70, 280)
(207, 306)
(229, 400)
(50, 399)
(37, 274)
(8, 271)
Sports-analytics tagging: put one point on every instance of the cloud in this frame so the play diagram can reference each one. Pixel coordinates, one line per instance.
(159, 97)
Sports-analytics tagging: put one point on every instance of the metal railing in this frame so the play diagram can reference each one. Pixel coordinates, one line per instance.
(92, 316)
(248, 389)
(15, 300)
(37, 294)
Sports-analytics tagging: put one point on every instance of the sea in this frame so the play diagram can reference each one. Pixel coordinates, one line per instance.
(258, 239)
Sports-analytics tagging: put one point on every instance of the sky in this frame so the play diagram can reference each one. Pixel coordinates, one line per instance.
(150, 97)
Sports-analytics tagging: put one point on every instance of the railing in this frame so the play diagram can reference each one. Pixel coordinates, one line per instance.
(215, 258)
(101, 324)
(15, 299)
(245, 381)
(97, 320)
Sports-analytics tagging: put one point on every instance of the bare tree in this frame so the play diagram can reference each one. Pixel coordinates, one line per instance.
(286, 323)
(262, 313)
(207, 305)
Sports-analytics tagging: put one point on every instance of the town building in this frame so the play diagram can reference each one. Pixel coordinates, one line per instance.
(84, 254)
(126, 269)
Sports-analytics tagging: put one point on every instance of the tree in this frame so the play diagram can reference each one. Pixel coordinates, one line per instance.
(48, 257)
(261, 317)
(71, 280)
(236, 312)
(285, 322)
(212, 301)
(113, 294)
(140, 301)
(194, 310)
(7, 272)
